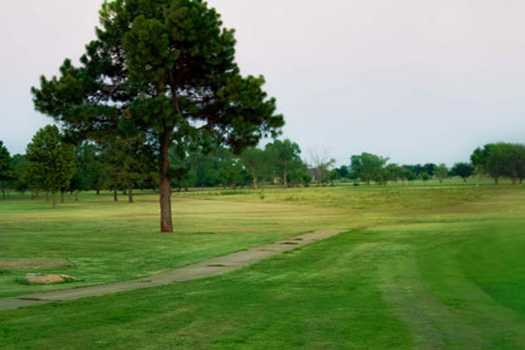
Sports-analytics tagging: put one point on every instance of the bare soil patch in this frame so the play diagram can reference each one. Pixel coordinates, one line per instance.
(38, 279)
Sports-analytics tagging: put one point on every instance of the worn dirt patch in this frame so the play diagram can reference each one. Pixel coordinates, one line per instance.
(37, 279)
(33, 264)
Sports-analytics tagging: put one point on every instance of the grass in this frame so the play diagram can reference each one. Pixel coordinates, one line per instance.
(106, 242)
(423, 267)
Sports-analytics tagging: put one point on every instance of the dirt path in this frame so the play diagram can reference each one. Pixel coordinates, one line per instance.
(208, 268)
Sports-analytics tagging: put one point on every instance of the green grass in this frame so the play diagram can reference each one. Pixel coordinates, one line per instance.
(105, 242)
(419, 267)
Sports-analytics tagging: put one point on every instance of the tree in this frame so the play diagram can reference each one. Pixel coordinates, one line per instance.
(167, 68)
(285, 156)
(412, 172)
(20, 181)
(520, 162)
(5, 169)
(480, 160)
(369, 167)
(394, 172)
(501, 160)
(182, 171)
(463, 170)
(299, 174)
(231, 170)
(207, 170)
(430, 169)
(441, 172)
(425, 176)
(507, 160)
(321, 166)
(51, 160)
(256, 163)
(127, 161)
(343, 172)
(90, 174)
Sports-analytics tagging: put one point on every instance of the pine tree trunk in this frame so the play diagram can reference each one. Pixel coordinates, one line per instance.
(98, 191)
(115, 196)
(254, 182)
(130, 195)
(285, 179)
(62, 200)
(166, 221)
(54, 199)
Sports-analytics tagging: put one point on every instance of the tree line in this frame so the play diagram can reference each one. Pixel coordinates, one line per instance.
(495, 160)
(54, 165)
(371, 168)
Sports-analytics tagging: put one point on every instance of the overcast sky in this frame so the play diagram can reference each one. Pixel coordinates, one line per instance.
(415, 80)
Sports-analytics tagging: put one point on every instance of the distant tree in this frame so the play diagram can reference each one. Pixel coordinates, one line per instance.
(425, 176)
(463, 170)
(5, 169)
(506, 160)
(206, 168)
(19, 180)
(321, 167)
(414, 171)
(441, 172)
(90, 174)
(213, 167)
(409, 172)
(257, 163)
(500, 160)
(52, 161)
(193, 162)
(430, 169)
(285, 156)
(395, 172)
(300, 174)
(369, 167)
(182, 163)
(480, 160)
(343, 172)
(127, 161)
(231, 171)
(520, 162)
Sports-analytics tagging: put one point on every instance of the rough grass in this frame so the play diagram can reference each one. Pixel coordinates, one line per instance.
(105, 242)
(424, 267)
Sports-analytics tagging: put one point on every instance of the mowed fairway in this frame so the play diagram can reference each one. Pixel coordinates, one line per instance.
(418, 267)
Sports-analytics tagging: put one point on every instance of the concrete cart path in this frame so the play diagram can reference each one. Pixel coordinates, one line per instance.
(207, 268)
